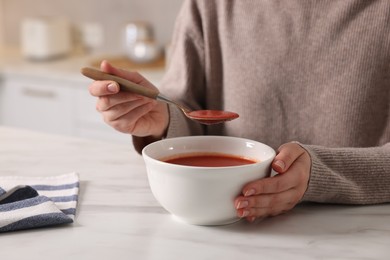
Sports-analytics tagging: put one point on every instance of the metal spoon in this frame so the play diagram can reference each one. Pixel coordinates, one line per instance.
(207, 117)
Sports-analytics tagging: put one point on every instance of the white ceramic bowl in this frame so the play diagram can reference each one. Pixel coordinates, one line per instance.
(203, 195)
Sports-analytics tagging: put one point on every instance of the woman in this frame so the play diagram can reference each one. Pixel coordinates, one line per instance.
(313, 72)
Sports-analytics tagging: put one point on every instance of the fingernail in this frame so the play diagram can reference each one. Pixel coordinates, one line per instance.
(245, 213)
(280, 164)
(249, 192)
(112, 87)
(242, 204)
(251, 219)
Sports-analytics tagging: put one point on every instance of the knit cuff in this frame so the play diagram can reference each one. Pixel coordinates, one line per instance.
(318, 180)
(180, 125)
(177, 123)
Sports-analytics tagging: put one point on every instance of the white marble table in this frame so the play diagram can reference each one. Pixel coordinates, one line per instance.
(118, 217)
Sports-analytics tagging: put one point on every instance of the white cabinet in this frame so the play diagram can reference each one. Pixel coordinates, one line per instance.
(53, 97)
(57, 105)
(37, 104)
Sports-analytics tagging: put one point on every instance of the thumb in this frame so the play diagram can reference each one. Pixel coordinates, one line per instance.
(125, 74)
(109, 68)
(287, 154)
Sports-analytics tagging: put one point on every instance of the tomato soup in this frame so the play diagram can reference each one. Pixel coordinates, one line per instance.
(209, 160)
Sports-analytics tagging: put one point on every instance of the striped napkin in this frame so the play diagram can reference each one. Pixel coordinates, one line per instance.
(32, 202)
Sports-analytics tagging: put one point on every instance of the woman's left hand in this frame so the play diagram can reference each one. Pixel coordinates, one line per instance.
(275, 195)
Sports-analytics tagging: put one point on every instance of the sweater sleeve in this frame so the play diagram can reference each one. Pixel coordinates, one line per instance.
(184, 79)
(349, 175)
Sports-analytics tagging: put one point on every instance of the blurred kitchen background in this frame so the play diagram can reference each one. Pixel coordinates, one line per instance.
(44, 43)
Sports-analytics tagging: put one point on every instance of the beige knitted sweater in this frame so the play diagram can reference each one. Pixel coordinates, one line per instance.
(317, 72)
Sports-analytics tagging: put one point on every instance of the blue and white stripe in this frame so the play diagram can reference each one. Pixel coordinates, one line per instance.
(31, 202)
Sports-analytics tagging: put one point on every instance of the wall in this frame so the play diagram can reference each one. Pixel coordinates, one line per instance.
(111, 15)
(1, 23)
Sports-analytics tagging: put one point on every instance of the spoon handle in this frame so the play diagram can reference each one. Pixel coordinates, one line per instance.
(124, 84)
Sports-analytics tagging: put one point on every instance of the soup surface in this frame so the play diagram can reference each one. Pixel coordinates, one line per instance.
(209, 160)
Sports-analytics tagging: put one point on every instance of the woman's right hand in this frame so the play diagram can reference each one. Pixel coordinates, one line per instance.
(128, 112)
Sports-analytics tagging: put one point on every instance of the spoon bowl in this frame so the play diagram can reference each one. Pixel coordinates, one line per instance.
(207, 117)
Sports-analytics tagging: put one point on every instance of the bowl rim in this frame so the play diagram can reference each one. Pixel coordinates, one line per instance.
(145, 155)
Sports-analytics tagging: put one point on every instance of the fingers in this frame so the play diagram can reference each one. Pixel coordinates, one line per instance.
(285, 192)
(287, 154)
(266, 205)
(127, 121)
(281, 185)
(276, 184)
(105, 87)
(118, 110)
(132, 76)
(128, 112)
(276, 195)
(107, 102)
